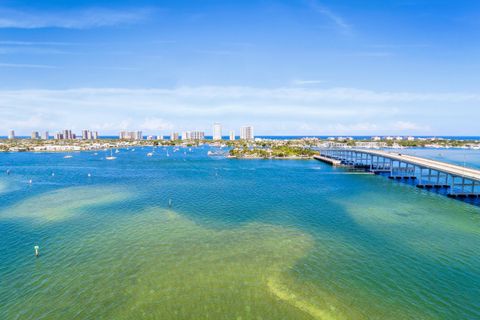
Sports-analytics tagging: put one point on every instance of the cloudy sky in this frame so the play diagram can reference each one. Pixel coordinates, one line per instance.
(306, 67)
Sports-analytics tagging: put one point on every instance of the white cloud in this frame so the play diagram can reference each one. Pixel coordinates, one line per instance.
(407, 125)
(339, 22)
(153, 124)
(354, 127)
(71, 19)
(113, 126)
(302, 82)
(29, 66)
(36, 43)
(284, 110)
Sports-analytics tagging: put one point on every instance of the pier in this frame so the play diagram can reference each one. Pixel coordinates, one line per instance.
(457, 180)
(333, 162)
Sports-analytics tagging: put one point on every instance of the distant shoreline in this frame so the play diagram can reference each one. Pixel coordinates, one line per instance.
(259, 148)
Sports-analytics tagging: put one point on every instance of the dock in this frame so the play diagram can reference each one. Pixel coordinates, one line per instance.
(328, 160)
(459, 181)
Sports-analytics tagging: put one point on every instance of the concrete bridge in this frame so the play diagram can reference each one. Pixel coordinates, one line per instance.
(459, 181)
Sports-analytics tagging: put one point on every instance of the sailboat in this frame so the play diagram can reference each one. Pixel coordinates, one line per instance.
(111, 156)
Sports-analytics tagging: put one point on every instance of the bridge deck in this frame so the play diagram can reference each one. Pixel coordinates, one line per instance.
(449, 168)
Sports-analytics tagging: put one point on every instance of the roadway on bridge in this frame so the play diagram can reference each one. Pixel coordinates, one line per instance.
(452, 169)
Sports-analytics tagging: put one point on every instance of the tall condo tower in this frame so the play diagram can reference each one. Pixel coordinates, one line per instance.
(246, 133)
(198, 135)
(174, 136)
(217, 131)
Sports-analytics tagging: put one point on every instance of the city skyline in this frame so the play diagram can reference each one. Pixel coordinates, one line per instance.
(246, 132)
(382, 68)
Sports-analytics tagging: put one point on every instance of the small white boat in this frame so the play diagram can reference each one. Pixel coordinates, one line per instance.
(68, 157)
(111, 157)
(149, 154)
(215, 154)
(117, 151)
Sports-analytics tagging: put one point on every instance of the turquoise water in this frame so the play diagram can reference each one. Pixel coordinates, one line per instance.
(243, 239)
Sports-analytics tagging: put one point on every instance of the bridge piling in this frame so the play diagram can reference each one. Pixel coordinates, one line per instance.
(460, 182)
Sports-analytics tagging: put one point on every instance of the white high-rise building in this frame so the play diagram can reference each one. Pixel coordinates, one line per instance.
(160, 137)
(67, 134)
(128, 135)
(45, 135)
(11, 135)
(198, 135)
(186, 135)
(174, 136)
(232, 135)
(217, 131)
(85, 134)
(95, 135)
(246, 133)
(35, 135)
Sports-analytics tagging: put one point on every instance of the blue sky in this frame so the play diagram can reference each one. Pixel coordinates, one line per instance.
(286, 67)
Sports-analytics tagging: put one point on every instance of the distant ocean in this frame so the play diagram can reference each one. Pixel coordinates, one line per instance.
(304, 136)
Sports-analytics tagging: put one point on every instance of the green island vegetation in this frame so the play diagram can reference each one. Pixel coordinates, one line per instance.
(258, 148)
(275, 152)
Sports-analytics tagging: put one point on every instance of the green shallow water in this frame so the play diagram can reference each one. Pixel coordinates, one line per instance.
(243, 240)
